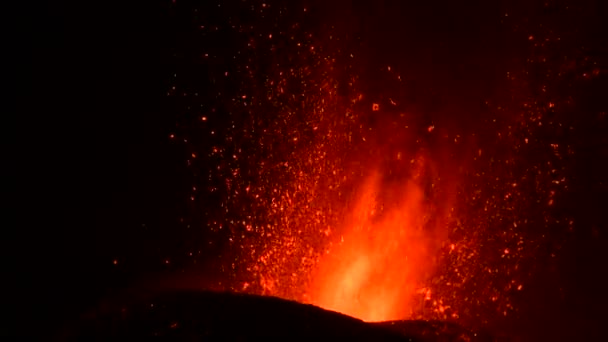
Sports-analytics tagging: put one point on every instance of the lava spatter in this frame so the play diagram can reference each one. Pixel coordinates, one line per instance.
(323, 191)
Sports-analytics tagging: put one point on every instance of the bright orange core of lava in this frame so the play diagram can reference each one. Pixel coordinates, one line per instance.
(382, 256)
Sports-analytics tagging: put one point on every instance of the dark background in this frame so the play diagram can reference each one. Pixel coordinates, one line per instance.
(98, 178)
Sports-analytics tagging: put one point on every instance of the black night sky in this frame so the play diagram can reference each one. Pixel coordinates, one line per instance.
(124, 109)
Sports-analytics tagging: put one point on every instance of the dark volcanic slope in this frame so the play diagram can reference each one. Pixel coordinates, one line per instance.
(191, 316)
(434, 331)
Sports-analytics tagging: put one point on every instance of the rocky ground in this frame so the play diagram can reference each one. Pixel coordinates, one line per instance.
(200, 316)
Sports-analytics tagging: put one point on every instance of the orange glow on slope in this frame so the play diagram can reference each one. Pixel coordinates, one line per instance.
(382, 257)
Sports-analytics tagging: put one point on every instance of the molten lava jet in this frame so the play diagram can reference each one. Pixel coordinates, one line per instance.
(372, 271)
(384, 252)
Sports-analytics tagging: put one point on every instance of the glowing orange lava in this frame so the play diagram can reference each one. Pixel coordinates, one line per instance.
(383, 256)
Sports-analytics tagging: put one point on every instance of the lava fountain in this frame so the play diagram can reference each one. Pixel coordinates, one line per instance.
(379, 190)
(382, 257)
